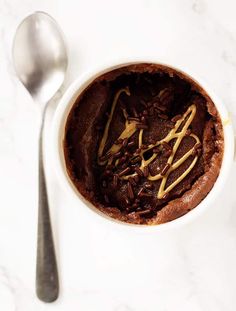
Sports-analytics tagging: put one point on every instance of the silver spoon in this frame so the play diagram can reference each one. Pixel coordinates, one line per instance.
(40, 60)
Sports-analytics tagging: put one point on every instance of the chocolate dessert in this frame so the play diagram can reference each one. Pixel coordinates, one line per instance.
(144, 144)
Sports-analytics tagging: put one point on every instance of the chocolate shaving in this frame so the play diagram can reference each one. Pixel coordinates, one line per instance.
(125, 171)
(146, 171)
(134, 112)
(188, 132)
(127, 201)
(138, 171)
(131, 144)
(143, 119)
(163, 116)
(132, 181)
(130, 191)
(141, 126)
(117, 155)
(151, 111)
(176, 118)
(166, 195)
(133, 119)
(105, 157)
(145, 212)
(197, 146)
(115, 181)
(125, 142)
(166, 145)
(148, 186)
(167, 153)
(135, 205)
(165, 169)
(135, 160)
(140, 191)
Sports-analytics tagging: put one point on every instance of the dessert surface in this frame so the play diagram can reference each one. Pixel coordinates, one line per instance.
(144, 144)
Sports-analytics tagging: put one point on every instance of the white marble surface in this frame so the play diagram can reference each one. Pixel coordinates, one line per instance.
(102, 268)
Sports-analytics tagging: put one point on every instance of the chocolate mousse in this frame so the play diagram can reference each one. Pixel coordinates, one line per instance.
(144, 144)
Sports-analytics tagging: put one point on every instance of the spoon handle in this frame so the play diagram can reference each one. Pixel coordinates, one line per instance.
(47, 284)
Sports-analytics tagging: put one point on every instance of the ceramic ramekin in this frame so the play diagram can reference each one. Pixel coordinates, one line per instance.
(58, 129)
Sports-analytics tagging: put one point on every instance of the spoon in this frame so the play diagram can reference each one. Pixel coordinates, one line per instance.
(40, 60)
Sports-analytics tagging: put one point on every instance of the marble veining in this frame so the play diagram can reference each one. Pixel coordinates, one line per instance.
(105, 268)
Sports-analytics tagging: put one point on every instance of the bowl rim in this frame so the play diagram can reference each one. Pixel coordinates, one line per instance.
(58, 125)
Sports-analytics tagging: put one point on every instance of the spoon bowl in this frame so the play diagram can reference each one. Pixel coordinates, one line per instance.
(40, 56)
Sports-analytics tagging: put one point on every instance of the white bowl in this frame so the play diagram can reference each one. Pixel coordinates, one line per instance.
(59, 122)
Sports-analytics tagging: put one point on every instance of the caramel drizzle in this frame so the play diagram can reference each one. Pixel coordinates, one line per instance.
(130, 129)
